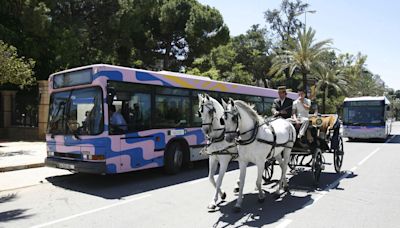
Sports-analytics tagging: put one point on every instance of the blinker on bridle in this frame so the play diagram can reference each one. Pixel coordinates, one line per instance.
(211, 112)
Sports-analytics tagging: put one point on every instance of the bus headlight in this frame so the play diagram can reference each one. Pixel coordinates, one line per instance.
(50, 153)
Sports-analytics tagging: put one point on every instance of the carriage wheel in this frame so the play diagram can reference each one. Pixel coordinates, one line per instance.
(317, 165)
(268, 171)
(338, 156)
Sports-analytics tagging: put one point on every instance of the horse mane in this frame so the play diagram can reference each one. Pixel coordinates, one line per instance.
(249, 109)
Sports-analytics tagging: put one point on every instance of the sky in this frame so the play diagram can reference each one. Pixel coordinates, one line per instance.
(366, 26)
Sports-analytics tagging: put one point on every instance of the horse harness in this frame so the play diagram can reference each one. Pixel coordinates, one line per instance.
(224, 151)
(253, 136)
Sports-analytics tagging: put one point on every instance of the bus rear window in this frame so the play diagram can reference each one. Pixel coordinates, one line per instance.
(72, 78)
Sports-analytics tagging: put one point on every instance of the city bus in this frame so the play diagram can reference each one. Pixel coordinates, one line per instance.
(160, 126)
(366, 118)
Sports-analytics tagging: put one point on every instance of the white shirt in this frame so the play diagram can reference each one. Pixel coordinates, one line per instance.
(299, 109)
(282, 101)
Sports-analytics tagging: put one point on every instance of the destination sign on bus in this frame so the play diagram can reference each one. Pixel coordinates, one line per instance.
(72, 78)
(362, 103)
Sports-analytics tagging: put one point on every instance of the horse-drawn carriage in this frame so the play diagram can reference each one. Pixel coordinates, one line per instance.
(236, 130)
(322, 137)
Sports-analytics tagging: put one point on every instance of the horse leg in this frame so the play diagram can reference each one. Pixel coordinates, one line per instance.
(281, 164)
(242, 166)
(286, 159)
(260, 170)
(213, 164)
(223, 166)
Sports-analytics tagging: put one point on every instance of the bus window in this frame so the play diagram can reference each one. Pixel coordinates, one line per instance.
(172, 111)
(139, 111)
(267, 106)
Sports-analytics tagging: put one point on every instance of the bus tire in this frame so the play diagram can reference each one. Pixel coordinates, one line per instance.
(173, 158)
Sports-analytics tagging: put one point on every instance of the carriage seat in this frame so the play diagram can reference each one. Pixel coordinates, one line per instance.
(328, 123)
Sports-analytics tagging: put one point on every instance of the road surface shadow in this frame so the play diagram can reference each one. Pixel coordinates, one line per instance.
(303, 181)
(8, 197)
(121, 185)
(390, 139)
(257, 214)
(13, 215)
(15, 153)
(394, 140)
(272, 210)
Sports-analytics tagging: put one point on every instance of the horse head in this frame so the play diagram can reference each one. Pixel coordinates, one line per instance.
(209, 111)
(230, 120)
(239, 117)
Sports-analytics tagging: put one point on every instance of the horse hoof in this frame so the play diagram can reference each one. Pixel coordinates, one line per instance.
(261, 200)
(235, 190)
(223, 196)
(212, 206)
(237, 209)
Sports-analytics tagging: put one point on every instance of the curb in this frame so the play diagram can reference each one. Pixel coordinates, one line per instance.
(19, 167)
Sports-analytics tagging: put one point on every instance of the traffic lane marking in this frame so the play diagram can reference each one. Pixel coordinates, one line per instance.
(369, 155)
(92, 211)
(312, 202)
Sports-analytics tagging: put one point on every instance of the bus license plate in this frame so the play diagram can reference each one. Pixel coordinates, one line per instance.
(65, 166)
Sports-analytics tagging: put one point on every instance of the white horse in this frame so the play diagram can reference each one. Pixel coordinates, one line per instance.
(257, 142)
(219, 151)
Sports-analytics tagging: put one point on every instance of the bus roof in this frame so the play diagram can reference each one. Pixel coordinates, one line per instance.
(183, 81)
(367, 98)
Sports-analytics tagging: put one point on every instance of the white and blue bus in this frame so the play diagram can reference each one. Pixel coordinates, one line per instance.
(366, 118)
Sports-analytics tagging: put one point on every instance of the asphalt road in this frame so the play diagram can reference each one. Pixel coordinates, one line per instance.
(365, 194)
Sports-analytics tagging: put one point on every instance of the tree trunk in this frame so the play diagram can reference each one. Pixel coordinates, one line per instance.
(305, 83)
(324, 99)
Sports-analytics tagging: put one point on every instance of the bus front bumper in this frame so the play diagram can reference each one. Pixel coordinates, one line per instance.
(76, 166)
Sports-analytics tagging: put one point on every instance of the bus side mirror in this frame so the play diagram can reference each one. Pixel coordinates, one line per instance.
(387, 108)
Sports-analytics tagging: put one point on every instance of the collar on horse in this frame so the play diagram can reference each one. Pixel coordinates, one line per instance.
(253, 136)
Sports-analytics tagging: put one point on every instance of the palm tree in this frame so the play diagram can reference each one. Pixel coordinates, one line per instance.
(302, 56)
(329, 78)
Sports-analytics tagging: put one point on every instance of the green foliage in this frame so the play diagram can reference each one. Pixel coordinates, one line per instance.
(14, 69)
(285, 22)
(303, 55)
(244, 59)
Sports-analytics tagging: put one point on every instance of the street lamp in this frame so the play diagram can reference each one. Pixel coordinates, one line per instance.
(305, 17)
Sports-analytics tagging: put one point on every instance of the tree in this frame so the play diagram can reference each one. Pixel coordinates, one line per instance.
(302, 56)
(329, 77)
(24, 24)
(253, 51)
(14, 69)
(285, 22)
(188, 30)
(362, 82)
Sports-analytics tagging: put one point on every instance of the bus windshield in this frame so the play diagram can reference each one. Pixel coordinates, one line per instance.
(77, 112)
(363, 115)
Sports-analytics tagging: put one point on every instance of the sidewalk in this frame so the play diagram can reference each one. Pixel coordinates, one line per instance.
(21, 155)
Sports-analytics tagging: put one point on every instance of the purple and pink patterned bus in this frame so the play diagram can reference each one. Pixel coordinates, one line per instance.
(159, 126)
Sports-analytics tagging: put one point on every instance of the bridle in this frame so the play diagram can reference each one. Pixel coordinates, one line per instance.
(212, 112)
(235, 119)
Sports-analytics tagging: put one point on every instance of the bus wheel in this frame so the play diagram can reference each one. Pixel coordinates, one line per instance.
(173, 158)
